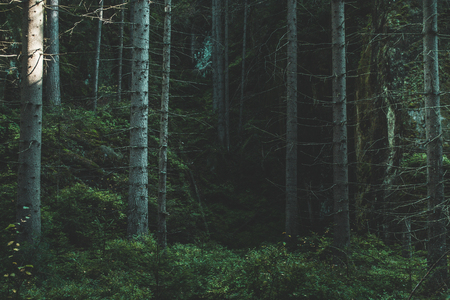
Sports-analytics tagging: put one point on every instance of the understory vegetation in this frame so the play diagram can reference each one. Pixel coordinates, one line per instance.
(83, 253)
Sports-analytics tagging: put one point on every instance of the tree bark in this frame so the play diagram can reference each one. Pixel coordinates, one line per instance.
(138, 178)
(340, 160)
(119, 75)
(97, 53)
(218, 68)
(435, 183)
(28, 211)
(244, 51)
(164, 131)
(226, 83)
(291, 125)
(53, 90)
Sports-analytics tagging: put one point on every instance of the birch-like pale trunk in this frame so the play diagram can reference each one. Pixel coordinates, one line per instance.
(53, 89)
(138, 177)
(97, 53)
(292, 219)
(340, 160)
(28, 210)
(164, 130)
(435, 179)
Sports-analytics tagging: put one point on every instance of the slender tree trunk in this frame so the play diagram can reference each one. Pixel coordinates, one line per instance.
(291, 125)
(164, 131)
(218, 69)
(97, 54)
(244, 51)
(28, 211)
(226, 83)
(53, 82)
(119, 75)
(138, 178)
(435, 179)
(340, 161)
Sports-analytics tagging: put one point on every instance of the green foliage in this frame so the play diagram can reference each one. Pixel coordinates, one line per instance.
(83, 216)
(136, 269)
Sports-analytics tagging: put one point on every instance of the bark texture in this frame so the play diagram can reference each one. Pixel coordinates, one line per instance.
(291, 124)
(340, 158)
(28, 211)
(119, 75)
(138, 178)
(53, 90)
(164, 130)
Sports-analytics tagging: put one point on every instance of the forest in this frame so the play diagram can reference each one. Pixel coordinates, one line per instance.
(224, 149)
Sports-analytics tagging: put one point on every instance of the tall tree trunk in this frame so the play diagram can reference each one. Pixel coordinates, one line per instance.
(226, 82)
(435, 179)
(340, 160)
(164, 131)
(291, 125)
(244, 53)
(53, 82)
(218, 64)
(97, 53)
(138, 178)
(119, 73)
(28, 211)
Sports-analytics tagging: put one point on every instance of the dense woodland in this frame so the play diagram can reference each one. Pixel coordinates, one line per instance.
(224, 149)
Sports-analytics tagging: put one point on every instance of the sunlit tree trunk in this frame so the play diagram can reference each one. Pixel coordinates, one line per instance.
(291, 125)
(28, 211)
(138, 177)
(119, 75)
(164, 130)
(340, 160)
(435, 179)
(53, 90)
(97, 53)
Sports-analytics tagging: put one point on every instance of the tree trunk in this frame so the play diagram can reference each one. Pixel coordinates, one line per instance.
(218, 74)
(53, 82)
(138, 178)
(340, 160)
(291, 125)
(119, 75)
(226, 83)
(28, 211)
(244, 51)
(97, 53)
(435, 183)
(164, 131)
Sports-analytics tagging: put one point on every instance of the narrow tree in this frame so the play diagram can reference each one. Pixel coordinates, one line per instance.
(340, 161)
(164, 131)
(138, 177)
(98, 44)
(435, 179)
(226, 95)
(291, 124)
(119, 73)
(28, 211)
(53, 90)
(218, 68)
(244, 54)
